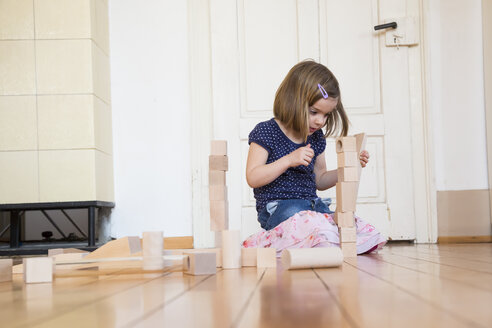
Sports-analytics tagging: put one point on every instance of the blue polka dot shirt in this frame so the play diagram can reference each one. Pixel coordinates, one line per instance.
(296, 182)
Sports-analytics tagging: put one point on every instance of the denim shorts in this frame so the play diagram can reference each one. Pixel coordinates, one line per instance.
(278, 211)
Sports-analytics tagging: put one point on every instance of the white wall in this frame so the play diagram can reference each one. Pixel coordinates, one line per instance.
(457, 94)
(151, 115)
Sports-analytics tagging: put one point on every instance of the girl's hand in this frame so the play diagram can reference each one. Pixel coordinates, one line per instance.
(301, 156)
(364, 158)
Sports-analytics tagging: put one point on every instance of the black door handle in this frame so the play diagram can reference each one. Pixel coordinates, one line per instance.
(387, 25)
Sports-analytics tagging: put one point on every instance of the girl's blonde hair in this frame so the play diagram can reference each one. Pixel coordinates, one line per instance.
(299, 90)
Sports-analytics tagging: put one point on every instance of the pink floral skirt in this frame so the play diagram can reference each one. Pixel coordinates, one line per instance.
(308, 229)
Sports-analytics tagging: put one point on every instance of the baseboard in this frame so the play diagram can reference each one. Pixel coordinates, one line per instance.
(464, 239)
(463, 213)
(178, 242)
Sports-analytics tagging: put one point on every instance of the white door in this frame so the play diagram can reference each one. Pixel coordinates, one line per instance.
(253, 44)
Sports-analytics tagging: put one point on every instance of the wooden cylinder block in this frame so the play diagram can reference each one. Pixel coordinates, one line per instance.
(152, 246)
(304, 258)
(231, 249)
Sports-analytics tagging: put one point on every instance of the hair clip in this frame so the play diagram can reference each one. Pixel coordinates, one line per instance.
(323, 91)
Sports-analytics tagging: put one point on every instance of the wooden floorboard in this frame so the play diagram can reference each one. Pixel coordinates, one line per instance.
(468, 305)
(374, 302)
(472, 279)
(218, 302)
(131, 304)
(293, 299)
(453, 261)
(401, 286)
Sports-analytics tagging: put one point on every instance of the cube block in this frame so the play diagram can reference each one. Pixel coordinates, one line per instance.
(5, 270)
(266, 258)
(38, 269)
(348, 174)
(248, 256)
(347, 234)
(219, 215)
(218, 147)
(349, 249)
(346, 196)
(344, 144)
(344, 219)
(216, 178)
(200, 263)
(218, 163)
(348, 159)
(217, 192)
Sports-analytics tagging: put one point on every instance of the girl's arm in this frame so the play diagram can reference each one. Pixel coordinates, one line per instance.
(324, 179)
(259, 174)
(327, 179)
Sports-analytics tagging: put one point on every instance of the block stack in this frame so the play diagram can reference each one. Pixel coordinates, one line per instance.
(349, 170)
(218, 165)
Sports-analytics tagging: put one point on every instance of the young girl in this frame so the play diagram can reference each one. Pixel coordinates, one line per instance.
(286, 160)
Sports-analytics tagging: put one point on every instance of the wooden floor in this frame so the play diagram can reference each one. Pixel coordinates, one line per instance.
(402, 286)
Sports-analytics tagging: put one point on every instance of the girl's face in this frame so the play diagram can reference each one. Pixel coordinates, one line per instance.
(319, 111)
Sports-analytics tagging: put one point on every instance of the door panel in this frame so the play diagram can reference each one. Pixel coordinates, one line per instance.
(272, 36)
(350, 50)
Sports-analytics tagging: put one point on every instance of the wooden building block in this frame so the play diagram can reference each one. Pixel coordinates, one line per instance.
(152, 246)
(306, 258)
(348, 159)
(360, 140)
(348, 174)
(38, 269)
(347, 234)
(218, 163)
(121, 247)
(200, 263)
(231, 249)
(266, 258)
(178, 242)
(216, 178)
(344, 144)
(349, 249)
(346, 196)
(69, 256)
(248, 256)
(5, 270)
(219, 215)
(217, 192)
(216, 251)
(218, 147)
(56, 251)
(361, 144)
(344, 219)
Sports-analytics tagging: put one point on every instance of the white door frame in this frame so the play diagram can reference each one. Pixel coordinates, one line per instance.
(202, 124)
(487, 80)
